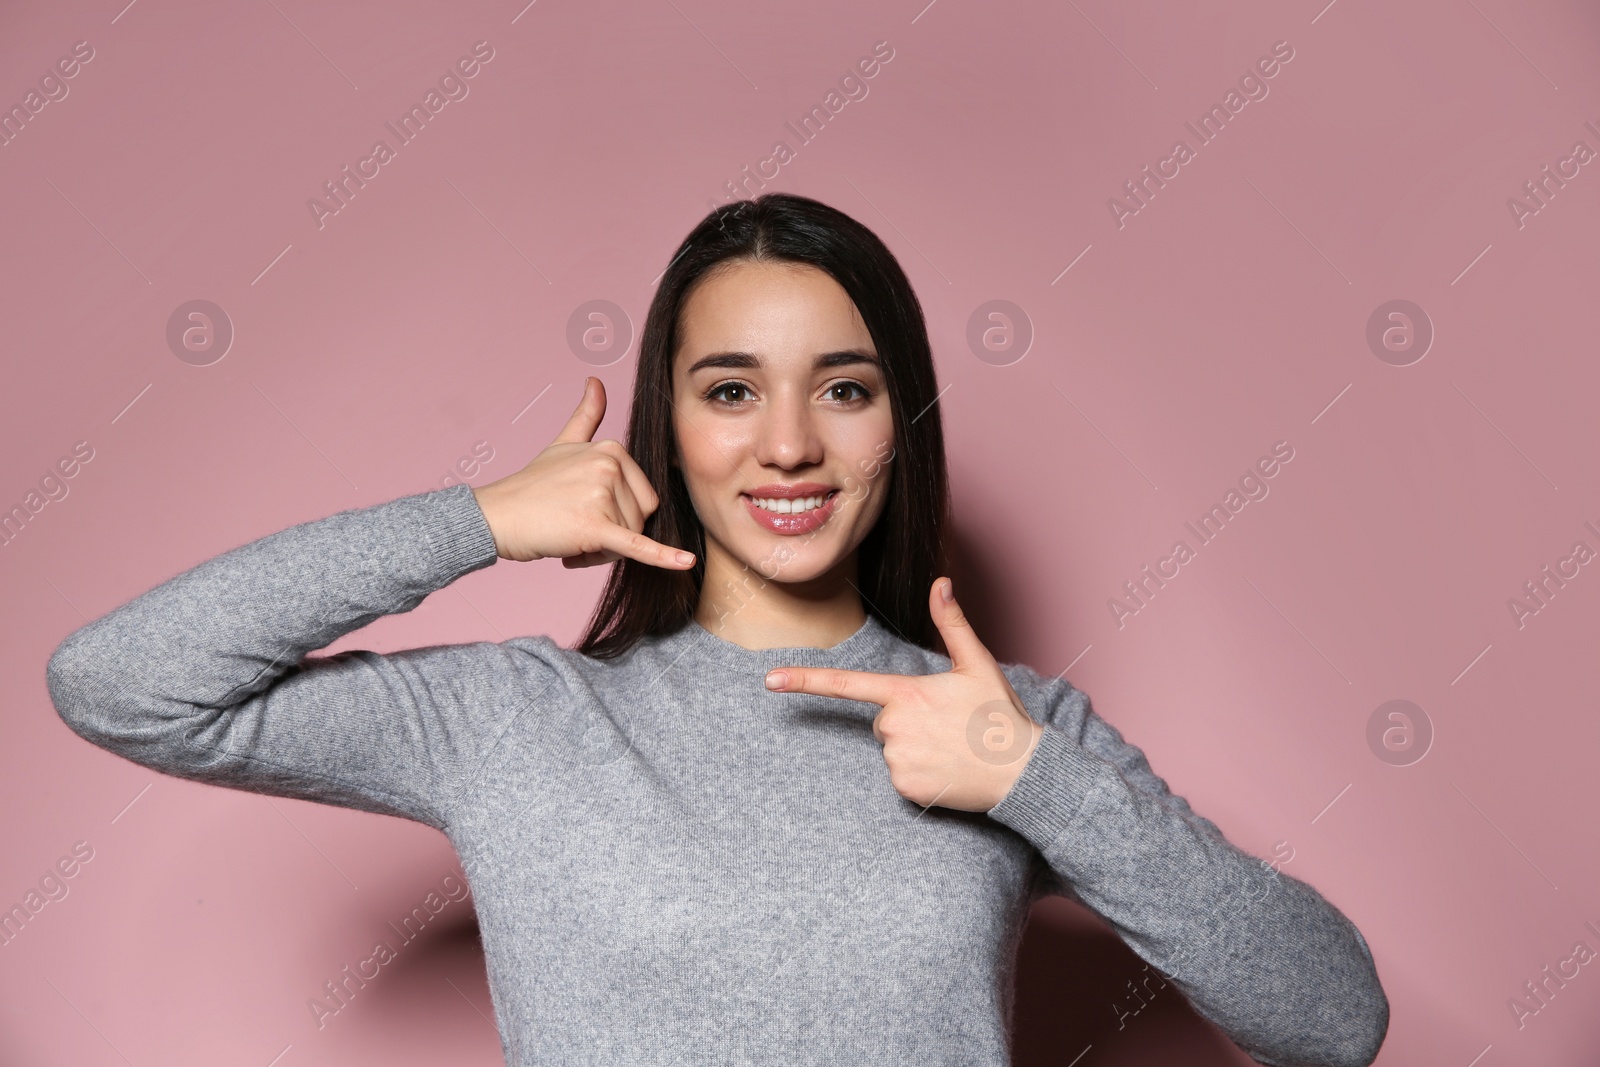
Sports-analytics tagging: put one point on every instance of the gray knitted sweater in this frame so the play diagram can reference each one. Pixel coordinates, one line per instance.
(672, 865)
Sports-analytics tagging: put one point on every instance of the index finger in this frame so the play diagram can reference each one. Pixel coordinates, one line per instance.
(833, 682)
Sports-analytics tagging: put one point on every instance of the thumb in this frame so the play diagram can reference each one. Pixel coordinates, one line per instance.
(966, 651)
(586, 419)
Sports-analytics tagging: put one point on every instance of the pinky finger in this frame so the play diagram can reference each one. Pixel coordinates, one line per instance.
(589, 559)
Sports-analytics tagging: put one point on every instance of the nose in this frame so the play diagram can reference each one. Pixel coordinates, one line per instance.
(788, 436)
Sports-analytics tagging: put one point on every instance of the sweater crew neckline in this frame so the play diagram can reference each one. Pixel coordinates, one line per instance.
(863, 649)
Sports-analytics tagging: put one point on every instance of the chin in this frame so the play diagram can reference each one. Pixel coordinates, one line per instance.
(784, 560)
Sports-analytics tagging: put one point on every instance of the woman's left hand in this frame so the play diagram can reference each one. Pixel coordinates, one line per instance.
(958, 739)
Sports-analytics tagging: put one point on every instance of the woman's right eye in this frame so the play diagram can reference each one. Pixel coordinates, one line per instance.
(731, 392)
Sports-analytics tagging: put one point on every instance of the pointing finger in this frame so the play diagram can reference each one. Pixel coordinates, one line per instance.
(830, 682)
(586, 419)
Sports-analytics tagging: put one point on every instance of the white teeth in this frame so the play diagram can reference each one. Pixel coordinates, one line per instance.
(789, 505)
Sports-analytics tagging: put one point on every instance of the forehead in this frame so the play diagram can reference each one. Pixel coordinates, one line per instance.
(775, 311)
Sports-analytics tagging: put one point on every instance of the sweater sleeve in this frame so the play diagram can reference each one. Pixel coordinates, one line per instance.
(206, 676)
(1260, 954)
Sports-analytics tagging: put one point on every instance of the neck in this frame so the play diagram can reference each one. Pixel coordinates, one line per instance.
(741, 605)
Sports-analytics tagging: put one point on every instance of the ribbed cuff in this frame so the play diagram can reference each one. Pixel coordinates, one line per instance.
(1051, 789)
(458, 533)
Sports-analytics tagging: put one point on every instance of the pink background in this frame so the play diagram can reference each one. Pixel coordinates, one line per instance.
(1228, 314)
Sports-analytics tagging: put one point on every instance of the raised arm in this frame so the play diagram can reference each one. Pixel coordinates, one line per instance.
(207, 676)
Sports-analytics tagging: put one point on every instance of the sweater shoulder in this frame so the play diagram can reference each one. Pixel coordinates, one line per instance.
(542, 654)
(1053, 700)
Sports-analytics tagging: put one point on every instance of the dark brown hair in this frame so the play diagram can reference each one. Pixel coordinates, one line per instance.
(902, 554)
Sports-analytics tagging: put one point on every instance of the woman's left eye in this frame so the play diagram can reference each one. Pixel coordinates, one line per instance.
(844, 392)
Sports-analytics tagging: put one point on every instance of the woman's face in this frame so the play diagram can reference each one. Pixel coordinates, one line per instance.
(782, 419)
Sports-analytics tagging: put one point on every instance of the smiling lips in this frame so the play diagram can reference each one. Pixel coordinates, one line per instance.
(791, 509)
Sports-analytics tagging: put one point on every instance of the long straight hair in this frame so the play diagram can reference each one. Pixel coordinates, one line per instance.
(902, 554)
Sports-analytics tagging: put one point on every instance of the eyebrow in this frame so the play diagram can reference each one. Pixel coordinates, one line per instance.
(746, 361)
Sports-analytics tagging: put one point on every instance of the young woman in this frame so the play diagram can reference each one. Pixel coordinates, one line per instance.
(754, 816)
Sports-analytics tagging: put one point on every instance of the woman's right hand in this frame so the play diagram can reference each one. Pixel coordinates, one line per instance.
(584, 501)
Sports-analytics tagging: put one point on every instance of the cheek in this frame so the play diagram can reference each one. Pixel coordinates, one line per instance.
(861, 447)
(709, 453)
(863, 444)
(856, 435)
